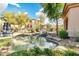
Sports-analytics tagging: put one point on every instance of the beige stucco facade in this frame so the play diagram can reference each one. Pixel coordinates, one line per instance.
(73, 22)
(71, 13)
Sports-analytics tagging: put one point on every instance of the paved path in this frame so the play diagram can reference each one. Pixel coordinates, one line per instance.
(4, 37)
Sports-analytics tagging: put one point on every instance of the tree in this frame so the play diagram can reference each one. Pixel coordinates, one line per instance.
(9, 17)
(16, 18)
(41, 19)
(22, 19)
(53, 11)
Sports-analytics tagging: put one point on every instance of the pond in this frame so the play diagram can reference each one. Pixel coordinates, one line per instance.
(30, 41)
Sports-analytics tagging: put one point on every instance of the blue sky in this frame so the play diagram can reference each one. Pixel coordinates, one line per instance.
(31, 8)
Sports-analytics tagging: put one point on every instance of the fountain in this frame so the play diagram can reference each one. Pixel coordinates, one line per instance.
(6, 30)
(34, 41)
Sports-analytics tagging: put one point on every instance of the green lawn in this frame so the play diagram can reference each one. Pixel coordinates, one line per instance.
(5, 42)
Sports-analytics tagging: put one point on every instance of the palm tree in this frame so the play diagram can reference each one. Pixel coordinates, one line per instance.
(53, 11)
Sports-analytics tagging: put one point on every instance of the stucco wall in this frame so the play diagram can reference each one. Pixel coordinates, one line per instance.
(73, 22)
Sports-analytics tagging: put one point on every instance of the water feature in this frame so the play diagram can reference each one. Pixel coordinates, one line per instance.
(33, 41)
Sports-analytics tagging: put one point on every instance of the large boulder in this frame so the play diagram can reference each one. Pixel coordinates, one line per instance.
(61, 48)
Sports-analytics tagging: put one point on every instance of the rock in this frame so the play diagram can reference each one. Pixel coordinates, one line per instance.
(62, 48)
(77, 46)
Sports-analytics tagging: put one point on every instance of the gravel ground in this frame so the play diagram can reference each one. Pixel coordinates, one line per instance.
(70, 43)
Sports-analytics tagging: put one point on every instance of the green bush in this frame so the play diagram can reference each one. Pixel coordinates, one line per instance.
(58, 53)
(70, 53)
(44, 52)
(63, 34)
(33, 52)
(37, 29)
(30, 52)
(32, 31)
(20, 53)
(77, 40)
(51, 29)
(47, 52)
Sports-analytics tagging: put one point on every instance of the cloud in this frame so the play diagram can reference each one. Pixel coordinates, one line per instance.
(39, 13)
(3, 6)
(26, 13)
(46, 21)
(15, 4)
(41, 9)
(19, 12)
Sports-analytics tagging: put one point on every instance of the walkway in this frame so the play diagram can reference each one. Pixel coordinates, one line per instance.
(19, 33)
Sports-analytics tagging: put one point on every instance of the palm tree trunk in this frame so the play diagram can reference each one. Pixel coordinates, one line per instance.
(57, 27)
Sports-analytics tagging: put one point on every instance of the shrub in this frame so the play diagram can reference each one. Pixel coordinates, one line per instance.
(31, 52)
(58, 53)
(47, 52)
(70, 53)
(32, 31)
(36, 52)
(77, 40)
(37, 30)
(44, 52)
(51, 29)
(20, 53)
(63, 34)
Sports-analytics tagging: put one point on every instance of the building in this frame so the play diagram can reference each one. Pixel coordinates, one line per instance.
(71, 19)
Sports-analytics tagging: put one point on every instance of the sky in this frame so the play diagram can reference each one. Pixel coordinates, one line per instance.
(30, 8)
(33, 10)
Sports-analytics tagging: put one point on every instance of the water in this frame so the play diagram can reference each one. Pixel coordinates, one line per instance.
(33, 41)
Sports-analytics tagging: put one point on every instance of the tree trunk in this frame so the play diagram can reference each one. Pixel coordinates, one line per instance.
(57, 27)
